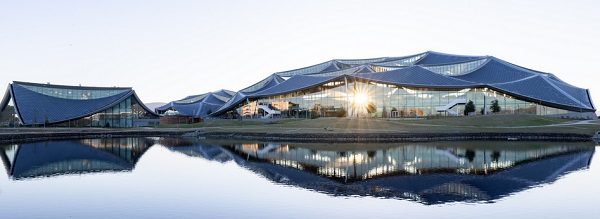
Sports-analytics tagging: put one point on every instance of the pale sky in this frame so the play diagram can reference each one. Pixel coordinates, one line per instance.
(167, 50)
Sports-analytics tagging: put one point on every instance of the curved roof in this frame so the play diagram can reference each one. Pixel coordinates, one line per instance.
(539, 89)
(36, 104)
(443, 58)
(34, 108)
(234, 101)
(430, 70)
(343, 64)
(224, 93)
(530, 85)
(295, 83)
(415, 76)
(268, 82)
(197, 105)
(496, 71)
(264, 84)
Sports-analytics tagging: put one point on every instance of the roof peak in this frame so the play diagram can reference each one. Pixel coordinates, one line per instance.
(70, 86)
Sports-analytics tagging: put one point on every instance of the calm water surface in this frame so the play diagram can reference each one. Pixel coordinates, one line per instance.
(192, 178)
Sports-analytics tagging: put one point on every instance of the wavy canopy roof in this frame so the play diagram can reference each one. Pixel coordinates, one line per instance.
(40, 103)
(264, 84)
(428, 70)
(415, 76)
(198, 106)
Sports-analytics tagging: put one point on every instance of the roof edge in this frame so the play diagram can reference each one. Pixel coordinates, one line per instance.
(70, 86)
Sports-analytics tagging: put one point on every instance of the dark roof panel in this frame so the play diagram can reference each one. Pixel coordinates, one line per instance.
(496, 71)
(365, 69)
(35, 108)
(233, 102)
(415, 76)
(577, 93)
(295, 83)
(442, 58)
(537, 88)
(223, 92)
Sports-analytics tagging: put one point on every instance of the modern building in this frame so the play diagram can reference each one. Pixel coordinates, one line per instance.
(196, 106)
(31, 104)
(425, 84)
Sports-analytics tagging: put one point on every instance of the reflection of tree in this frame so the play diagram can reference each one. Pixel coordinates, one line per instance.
(371, 154)
(495, 155)
(470, 155)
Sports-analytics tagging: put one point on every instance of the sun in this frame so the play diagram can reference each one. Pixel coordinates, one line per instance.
(361, 99)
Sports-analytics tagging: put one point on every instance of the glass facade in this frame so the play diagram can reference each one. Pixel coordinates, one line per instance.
(124, 114)
(74, 94)
(8, 116)
(350, 70)
(369, 99)
(456, 69)
(258, 85)
(403, 62)
(192, 99)
(377, 68)
(326, 100)
(308, 70)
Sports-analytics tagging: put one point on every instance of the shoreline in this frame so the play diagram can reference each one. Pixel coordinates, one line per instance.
(317, 137)
(388, 137)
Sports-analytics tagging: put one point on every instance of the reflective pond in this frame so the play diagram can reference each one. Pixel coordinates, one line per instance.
(193, 178)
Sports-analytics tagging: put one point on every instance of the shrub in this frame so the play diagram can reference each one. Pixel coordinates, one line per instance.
(469, 108)
(341, 112)
(495, 107)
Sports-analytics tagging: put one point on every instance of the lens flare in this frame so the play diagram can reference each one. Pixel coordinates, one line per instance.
(361, 99)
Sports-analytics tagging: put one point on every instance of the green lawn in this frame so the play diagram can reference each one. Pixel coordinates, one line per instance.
(460, 124)
(489, 123)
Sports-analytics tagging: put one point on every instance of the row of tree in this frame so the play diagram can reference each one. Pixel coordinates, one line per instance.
(470, 107)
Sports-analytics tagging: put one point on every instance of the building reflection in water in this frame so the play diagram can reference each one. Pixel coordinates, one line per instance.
(429, 173)
(51, 158)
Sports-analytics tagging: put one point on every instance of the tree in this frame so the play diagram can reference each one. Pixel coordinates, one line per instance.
(469, 108)
(495, 107)
(314, 112)
(371, 108)
(341, 112)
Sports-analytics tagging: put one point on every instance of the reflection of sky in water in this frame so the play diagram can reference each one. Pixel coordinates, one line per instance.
(165, 183)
